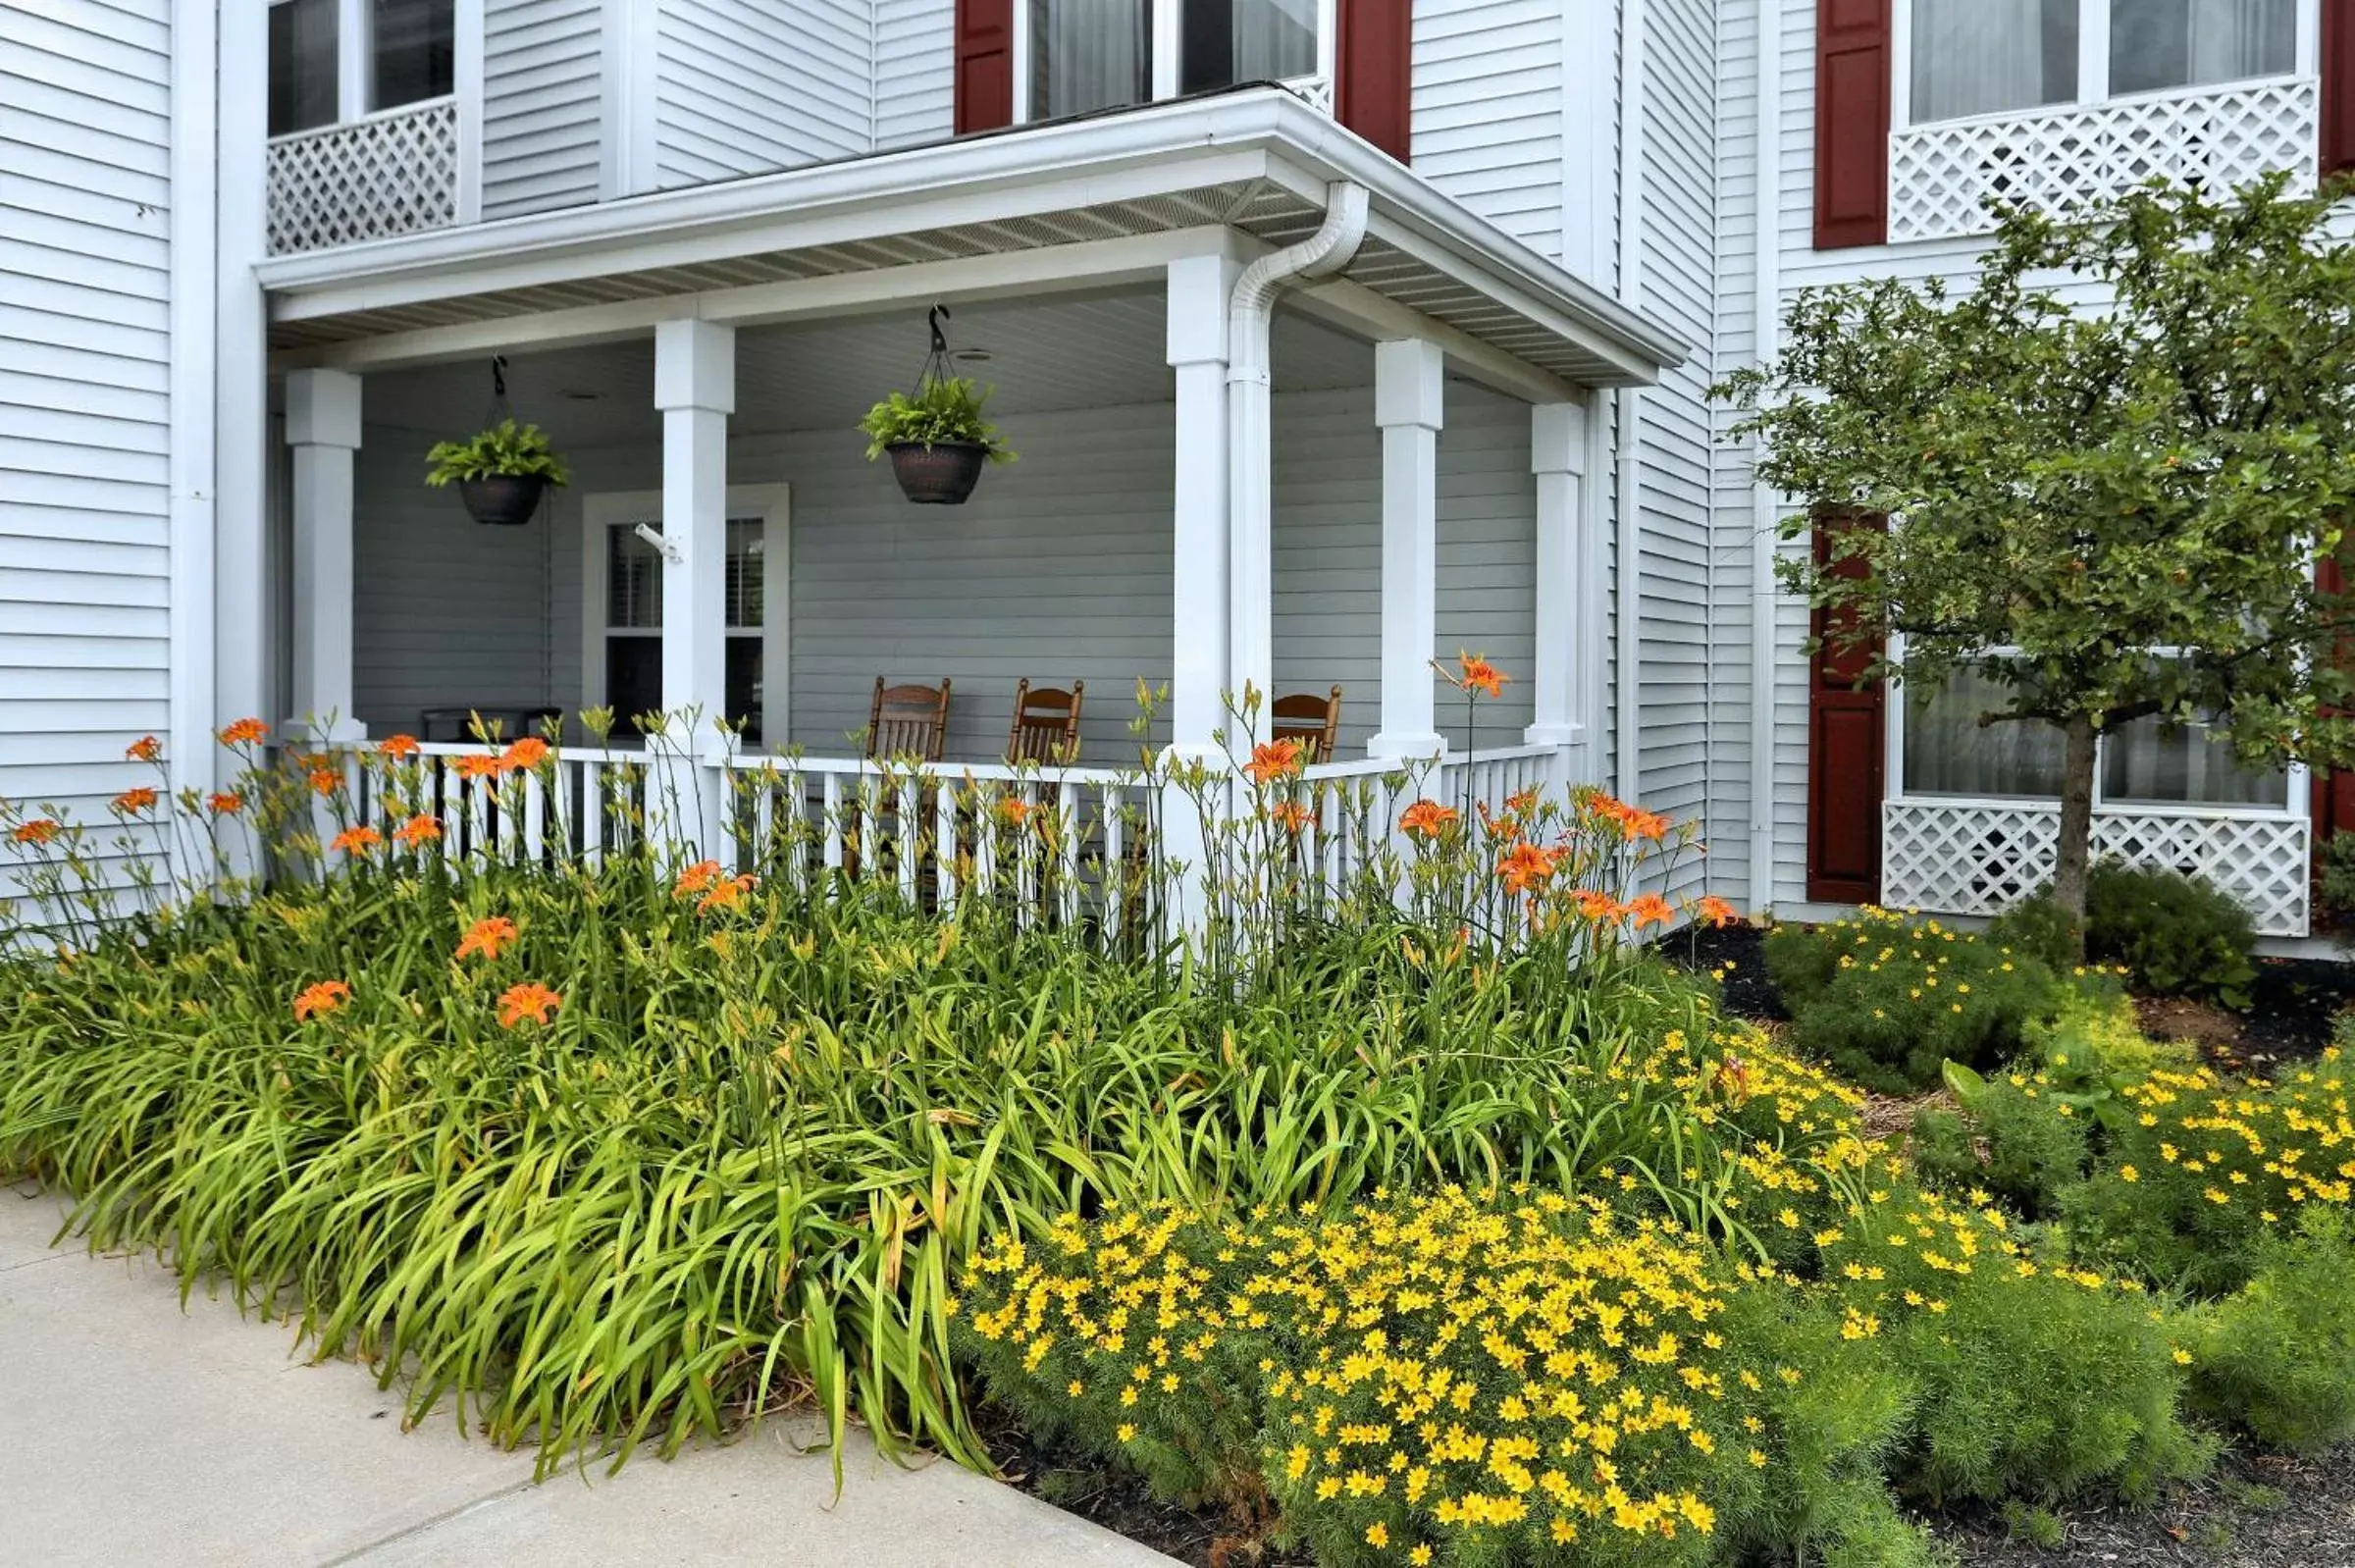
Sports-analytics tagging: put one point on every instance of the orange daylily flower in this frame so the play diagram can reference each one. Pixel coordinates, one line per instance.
(323, 997)
(696, 878)
(479, 765)
(133, 801)
(228, 803)
(1526, 867)
(1014, 811)
(726, 894)
(1600, 906)
(398, 746)
(1651, 909)
(487, 936)
(531, 1000)
(40, 830)
(523, 754)
(1271, 761)
(326, 780)
(245, 732)
(1715, 911)
(423, 828)
(1426, 818)
(1290, 815)
(1478, 675)
(147, 749)
(357, 840)
(1521, 800)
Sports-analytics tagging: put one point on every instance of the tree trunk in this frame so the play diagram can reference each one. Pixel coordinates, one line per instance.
(2074, 850)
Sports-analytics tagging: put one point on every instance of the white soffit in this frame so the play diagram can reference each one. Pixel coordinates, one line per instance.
(1256, 162)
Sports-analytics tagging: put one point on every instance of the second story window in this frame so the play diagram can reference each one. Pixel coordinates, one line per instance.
(338, 60)
(1977, 57)
(1086, 55)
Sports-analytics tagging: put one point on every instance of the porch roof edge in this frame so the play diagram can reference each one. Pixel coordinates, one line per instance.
(1263, 134)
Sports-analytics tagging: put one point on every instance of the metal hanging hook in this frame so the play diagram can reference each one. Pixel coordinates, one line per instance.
(499, 375)
(940, 340)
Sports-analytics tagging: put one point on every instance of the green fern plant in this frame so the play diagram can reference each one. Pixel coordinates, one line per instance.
(505, 449)
(945, 410)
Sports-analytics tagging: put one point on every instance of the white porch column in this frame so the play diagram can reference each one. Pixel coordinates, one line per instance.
(695, 388)
(1566, 637)
(323, 427)
(1409, 397)
(1199, 672)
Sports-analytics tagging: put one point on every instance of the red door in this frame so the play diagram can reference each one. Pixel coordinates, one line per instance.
(1846, 755)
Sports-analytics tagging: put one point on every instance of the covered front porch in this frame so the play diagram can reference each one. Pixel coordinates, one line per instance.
(1314, 447)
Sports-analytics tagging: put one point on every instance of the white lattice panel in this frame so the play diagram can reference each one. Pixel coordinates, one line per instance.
(390, 174)
(1976, 857)
(1942, 176)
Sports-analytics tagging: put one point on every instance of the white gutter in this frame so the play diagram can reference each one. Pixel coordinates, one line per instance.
(1765, 329)
(1250, 464)
(1628, 581)
(1264, 133)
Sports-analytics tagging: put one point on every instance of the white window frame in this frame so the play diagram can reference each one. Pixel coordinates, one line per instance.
(2299, 803)
(1164, 31)
(2093, 66)
(352, 41)
(772, 505)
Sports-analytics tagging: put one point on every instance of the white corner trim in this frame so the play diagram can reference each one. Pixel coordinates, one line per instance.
(1765, 512)
(467, 44)
(190, 749)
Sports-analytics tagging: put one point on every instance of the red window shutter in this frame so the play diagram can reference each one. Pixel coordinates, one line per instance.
(984, 65)
(1846, 753)
(2339, 87)
(1851, 123)
(1374, 58)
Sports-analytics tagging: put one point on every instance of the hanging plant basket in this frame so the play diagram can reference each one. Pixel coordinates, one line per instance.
(506, 501)
(942, 474)
(503, 470)
(935, 437)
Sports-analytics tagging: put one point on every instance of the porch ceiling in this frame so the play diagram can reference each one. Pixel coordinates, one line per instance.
(1256, 162)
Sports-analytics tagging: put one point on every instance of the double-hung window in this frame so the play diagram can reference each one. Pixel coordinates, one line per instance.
(339, 60)
(1944, 749)
(1975, 57)
(1078, 56)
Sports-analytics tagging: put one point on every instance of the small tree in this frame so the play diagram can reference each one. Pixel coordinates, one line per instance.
(2158, 462)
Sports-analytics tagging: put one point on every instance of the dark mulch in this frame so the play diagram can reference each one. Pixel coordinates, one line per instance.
(2293, 1006)
(1119, 1501)
(2254, 1511)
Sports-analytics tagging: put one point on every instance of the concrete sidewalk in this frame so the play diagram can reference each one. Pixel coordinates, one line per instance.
(132, 1432)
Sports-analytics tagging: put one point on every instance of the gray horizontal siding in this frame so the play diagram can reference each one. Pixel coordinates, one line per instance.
(743, 87)
(1488, 111)
(915, 81)
(543, 104)
(1059, 568)
(84, 411)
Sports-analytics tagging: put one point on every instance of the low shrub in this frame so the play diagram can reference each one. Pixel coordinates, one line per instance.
(2278, 1356)
(1887, 998)
(2030, 1377)
(2173, 935)
(1445, 1379)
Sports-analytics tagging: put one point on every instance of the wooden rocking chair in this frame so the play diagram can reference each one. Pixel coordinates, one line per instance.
(904, 722)
(1046, 726)
(1312, 720)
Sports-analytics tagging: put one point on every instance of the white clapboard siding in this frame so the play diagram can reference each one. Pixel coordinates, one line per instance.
(543, 104)
(1488, 111)
(84, 356)
(1676, 684)
(915, 81)
(744, 86)
(1059, 568)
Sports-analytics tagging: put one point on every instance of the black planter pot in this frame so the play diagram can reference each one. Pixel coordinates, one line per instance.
(942, 474)
(504, 499)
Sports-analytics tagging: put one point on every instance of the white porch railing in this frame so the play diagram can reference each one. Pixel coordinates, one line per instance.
(1976, 856)
(390, 174)
(1942, 177)
(1074, 845)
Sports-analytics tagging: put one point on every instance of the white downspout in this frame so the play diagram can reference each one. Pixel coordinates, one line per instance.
(1766, 325)
(1250, 465)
